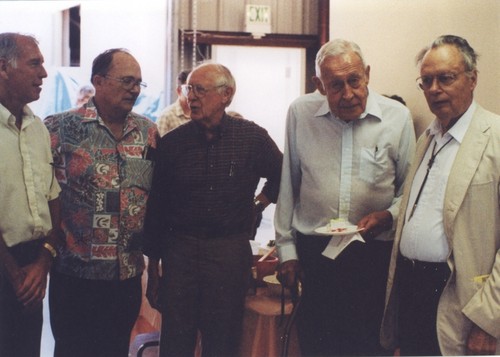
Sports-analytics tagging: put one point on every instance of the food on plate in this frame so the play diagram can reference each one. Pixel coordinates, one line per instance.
(338, 225)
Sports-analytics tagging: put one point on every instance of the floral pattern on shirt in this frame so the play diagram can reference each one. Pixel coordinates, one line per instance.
(105, 186)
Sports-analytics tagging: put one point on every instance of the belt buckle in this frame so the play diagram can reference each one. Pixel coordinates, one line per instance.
(413, 263)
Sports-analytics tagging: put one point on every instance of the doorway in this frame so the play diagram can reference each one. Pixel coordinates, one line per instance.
(268, 79)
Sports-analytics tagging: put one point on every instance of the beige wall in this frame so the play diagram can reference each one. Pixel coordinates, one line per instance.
(287, 16)
(391, 32)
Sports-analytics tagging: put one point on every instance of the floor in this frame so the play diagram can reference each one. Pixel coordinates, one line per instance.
(264, 234)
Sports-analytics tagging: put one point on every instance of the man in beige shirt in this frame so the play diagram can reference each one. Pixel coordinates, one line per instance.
(28, 195)
(178, 112)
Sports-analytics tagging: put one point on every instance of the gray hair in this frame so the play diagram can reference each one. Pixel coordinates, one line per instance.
(224, 78)
(335, 48)
(468, 54)
(9, 49)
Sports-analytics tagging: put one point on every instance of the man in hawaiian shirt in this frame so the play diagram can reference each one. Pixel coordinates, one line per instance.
(101, 154)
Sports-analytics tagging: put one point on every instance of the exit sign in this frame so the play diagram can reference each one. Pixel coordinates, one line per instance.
(258, 19)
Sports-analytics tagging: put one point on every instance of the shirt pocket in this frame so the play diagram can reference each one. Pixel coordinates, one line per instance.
(373, 164)
(138, 173)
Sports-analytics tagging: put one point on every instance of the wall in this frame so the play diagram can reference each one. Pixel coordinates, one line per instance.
(287, 16)
(391, 32)
(139, 26)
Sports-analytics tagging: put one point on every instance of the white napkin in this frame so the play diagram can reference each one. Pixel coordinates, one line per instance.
(338, 243)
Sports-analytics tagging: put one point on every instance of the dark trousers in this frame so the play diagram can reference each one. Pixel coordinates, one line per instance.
(93, 317)
(343, 299)
(420, 286)
(20, 329)
(203, 289)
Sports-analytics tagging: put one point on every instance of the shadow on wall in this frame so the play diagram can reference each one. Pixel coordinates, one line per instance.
(60, 91)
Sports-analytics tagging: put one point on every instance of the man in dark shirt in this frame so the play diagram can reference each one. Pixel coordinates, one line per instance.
(200, 217)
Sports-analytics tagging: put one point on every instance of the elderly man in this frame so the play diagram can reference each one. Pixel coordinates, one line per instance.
(28, 196)
(201, 214)
(445, 266)
(347, 152)
(101, 153)
(176, 113)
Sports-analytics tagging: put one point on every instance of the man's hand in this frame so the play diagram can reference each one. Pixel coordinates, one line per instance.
(289, 273)
(480, 342)
(32, 290)
(375, 223)
(153, 286)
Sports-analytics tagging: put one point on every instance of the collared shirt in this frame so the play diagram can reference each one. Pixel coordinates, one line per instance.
(171, 117)
(206, 188)
(337, 169)
(27, 180)
(423, 237)
(105, 184)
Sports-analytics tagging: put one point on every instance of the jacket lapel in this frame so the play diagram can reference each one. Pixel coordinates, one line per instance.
(464, 167)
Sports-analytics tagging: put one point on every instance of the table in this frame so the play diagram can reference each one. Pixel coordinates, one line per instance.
(261, 324)
(262, 330)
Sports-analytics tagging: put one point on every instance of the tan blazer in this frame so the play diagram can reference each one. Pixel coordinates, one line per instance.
(472, 226)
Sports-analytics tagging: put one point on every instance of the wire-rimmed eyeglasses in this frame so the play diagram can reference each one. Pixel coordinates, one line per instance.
(198, 90)
(443, 80)
(337, 86)
(128, 82)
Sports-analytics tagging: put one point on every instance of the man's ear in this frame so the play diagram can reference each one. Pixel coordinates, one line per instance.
(97, 80)
(227, 94)
(3, 67)
(319, 85)
(367, 74)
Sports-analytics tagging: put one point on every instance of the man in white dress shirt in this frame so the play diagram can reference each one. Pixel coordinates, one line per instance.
(346, 156)
(445, 268)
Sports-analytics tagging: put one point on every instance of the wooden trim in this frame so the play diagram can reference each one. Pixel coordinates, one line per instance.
(311, 43)
(246, 39)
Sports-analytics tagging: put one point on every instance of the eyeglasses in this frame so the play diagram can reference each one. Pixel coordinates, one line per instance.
(198, 90)
(443, 79)
(337, 86)
(128, 82)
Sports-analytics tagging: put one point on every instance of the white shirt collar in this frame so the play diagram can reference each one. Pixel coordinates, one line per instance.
(458, 130)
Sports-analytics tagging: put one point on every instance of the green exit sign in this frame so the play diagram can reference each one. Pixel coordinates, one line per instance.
(258, 19)
(258, 14)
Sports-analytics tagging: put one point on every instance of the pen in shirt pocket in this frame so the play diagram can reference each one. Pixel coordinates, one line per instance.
(375, 152)
(145, 152)
(232, 167)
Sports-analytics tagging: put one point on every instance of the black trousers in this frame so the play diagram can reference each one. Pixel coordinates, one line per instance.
(20, 329)
(420, 285)
(93, 317)
(203, 289)
(343, 299)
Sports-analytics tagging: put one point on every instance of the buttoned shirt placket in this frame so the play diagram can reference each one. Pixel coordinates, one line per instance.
(346, 171)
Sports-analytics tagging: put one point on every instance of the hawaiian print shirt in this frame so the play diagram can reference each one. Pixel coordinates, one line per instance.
(105, 185)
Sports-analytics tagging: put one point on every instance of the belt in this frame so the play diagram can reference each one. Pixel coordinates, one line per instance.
(417, 265)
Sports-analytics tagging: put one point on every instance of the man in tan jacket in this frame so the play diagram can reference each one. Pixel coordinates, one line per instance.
(443, 292)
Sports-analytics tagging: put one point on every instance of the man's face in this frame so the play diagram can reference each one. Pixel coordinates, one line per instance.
(114, 91)
(25, 77)
(207, 99)
(447, 101)
(344, 82)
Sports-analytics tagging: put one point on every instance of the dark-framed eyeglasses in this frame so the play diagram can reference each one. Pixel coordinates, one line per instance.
(198, 90)
(443, 80)
(128, 82)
